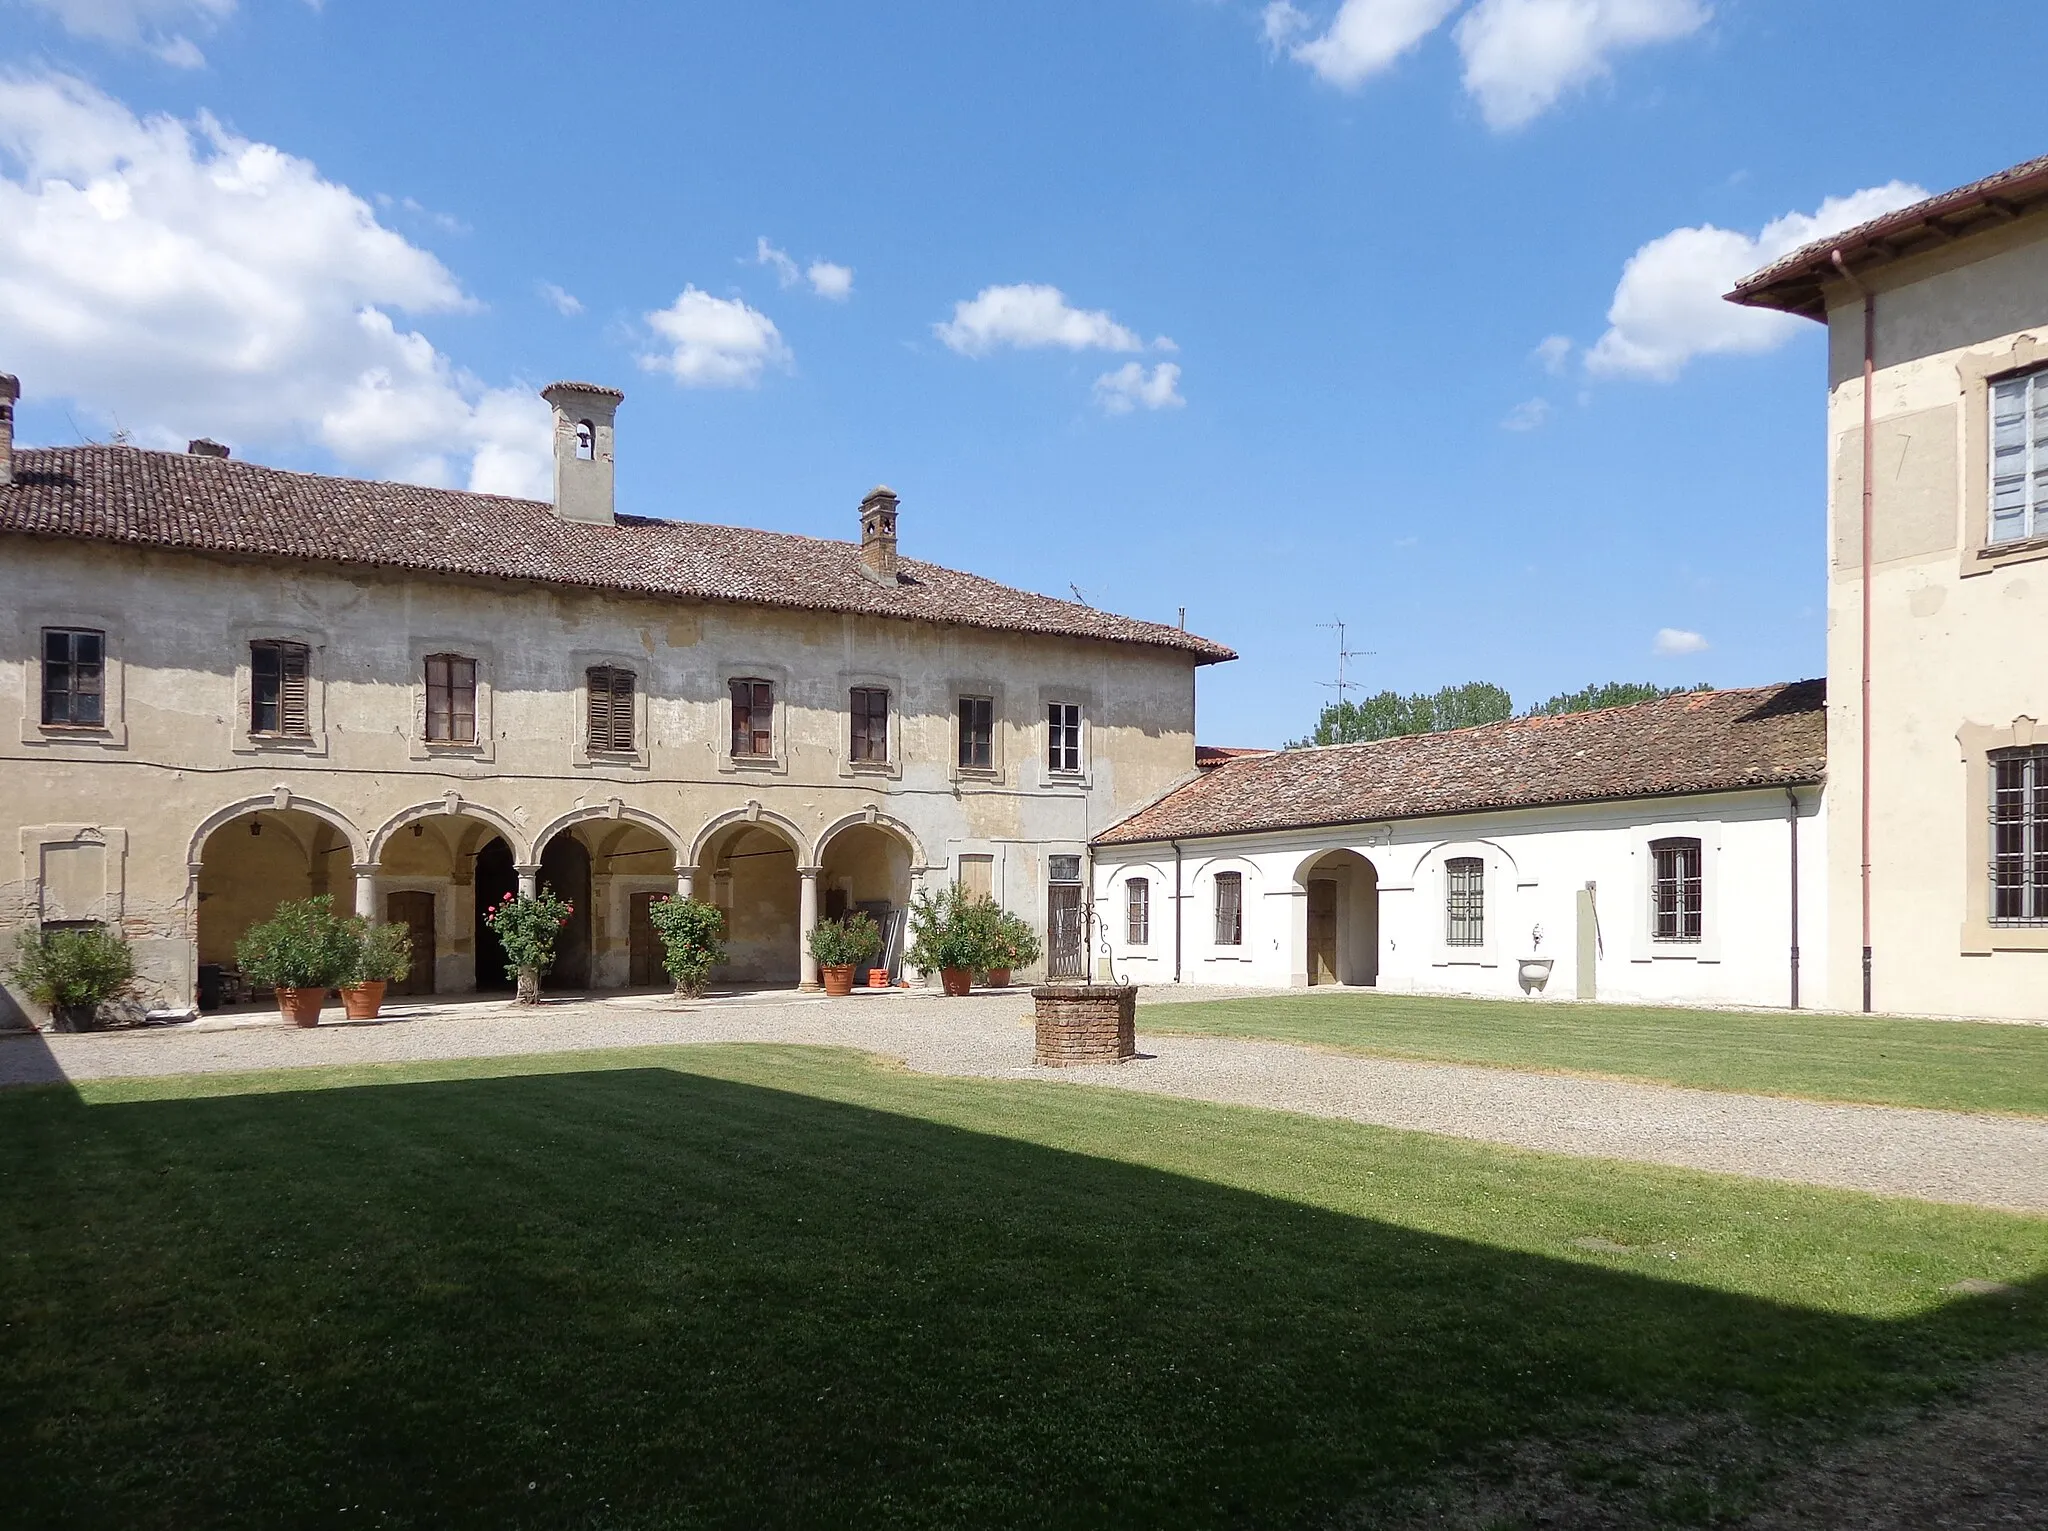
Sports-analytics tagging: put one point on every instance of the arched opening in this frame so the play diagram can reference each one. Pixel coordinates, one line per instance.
(565, 867)
(436, 873)
(1343, 919)
(867, 867)
(751, 869)
(586, 441)
(494, 874)
(250, 865)
(631, 866)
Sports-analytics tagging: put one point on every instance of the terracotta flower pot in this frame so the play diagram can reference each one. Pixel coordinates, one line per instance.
(956, 981)
(838, 980)
(999, 978)
(362, 1001)
(301, 1006)
(878, 978)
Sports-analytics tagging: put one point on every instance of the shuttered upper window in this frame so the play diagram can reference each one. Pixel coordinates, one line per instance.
(870, 708)
(2019, 458)
(610, 689)
(74, 677)
(753, 718)
(279, 688)
(451, 699)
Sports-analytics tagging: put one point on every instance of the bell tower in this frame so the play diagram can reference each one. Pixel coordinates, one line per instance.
(583, 450)
(878, 533)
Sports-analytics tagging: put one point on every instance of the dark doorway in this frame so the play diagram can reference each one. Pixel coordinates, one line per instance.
(565, 867)
(1322, 930)
(644, 968)
(495, 877)
(415, 911)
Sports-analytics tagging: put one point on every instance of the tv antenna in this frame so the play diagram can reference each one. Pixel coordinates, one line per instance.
(1345, 655)
(1079, 594)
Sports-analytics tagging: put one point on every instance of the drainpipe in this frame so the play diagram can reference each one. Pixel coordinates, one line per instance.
(1863, 676)
(1176, 911)
(1792, 830)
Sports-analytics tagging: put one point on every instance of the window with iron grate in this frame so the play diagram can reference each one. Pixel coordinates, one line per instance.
(2019, 836)
(1138, 911)
(1230, 908)
(1676, 903)
(1464, 901)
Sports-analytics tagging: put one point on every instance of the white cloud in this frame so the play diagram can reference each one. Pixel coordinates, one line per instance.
(714, 342)
(830, 281)
(188, 282)
(1553, 351)
(1364, 38)
(827, 279)
(1521, 56)
(1668, 307)
(148, 24)
(1029, 315)
(1131, 387)
(1673, 642)
(565, 303)
(1527, 415)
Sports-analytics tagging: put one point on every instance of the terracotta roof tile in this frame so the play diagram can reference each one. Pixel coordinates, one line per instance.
(211, 504)
(1699, 741)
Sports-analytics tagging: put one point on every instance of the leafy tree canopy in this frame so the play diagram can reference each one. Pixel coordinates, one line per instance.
(1389, 714)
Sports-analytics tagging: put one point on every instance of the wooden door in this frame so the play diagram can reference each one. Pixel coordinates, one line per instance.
(1322, 930)
(415, 911)
(643, 946)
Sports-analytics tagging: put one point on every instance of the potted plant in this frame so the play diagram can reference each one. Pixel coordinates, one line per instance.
(949, 933)
(1013, 945)
(303, 950)
(691, 946)
(528, 928)
(71, 973)
(383, 955)
(840, 945)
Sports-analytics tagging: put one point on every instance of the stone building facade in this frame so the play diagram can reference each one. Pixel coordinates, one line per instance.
(1938, 597)
(235, 685)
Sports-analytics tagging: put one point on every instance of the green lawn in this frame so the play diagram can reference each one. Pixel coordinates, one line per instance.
(785, 1286)
(1955, 1065)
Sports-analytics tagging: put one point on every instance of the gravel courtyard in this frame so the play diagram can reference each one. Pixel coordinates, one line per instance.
(1935, 1155)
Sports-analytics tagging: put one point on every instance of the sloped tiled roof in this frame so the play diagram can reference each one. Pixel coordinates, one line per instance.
(1699, 741)
(1793, 283)
(1209, 755)
(217, 505)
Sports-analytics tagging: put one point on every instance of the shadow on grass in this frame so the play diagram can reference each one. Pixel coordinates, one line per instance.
(640, 1297)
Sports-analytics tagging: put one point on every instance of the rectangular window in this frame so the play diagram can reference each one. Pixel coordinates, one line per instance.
(978, 876)
(753, 718)
(2019, 837)
(2019, 458)
(451, 699)
(278, 688)
(1675, 894)
(610, 690)
(870, 707)
(1230, 909)
(1138, 912)
(1062, 737)
(1063, 869)
(1464, 901)
(977, 733)
(74, 677)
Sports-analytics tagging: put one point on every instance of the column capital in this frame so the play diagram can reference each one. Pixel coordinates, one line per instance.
(366, 868)
(809, 874)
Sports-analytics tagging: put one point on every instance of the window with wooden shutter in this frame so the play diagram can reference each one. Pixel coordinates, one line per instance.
(74, 677)
(870, 707)
(753, 718)
(610, 689)
(451, 699)
(280, 696)
(977, 732)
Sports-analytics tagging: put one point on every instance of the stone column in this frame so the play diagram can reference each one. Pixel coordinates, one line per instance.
(686, 882)
(529, 880)
(806, 922)
(366, 893)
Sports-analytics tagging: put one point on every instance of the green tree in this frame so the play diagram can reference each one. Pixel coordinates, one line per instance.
(1389, 714)
(1613, 693)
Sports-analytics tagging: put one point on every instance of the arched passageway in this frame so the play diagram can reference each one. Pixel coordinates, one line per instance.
(565, 868)
(495, 874)
(749, 870)
(436, 874)
(1343, 919)
(867, 867)
(251, 864)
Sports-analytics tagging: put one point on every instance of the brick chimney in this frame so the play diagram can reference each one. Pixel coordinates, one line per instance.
(583, 450)
(878, 533)
(10, 390)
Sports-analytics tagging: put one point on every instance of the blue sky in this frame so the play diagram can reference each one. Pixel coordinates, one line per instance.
(1230, 306)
